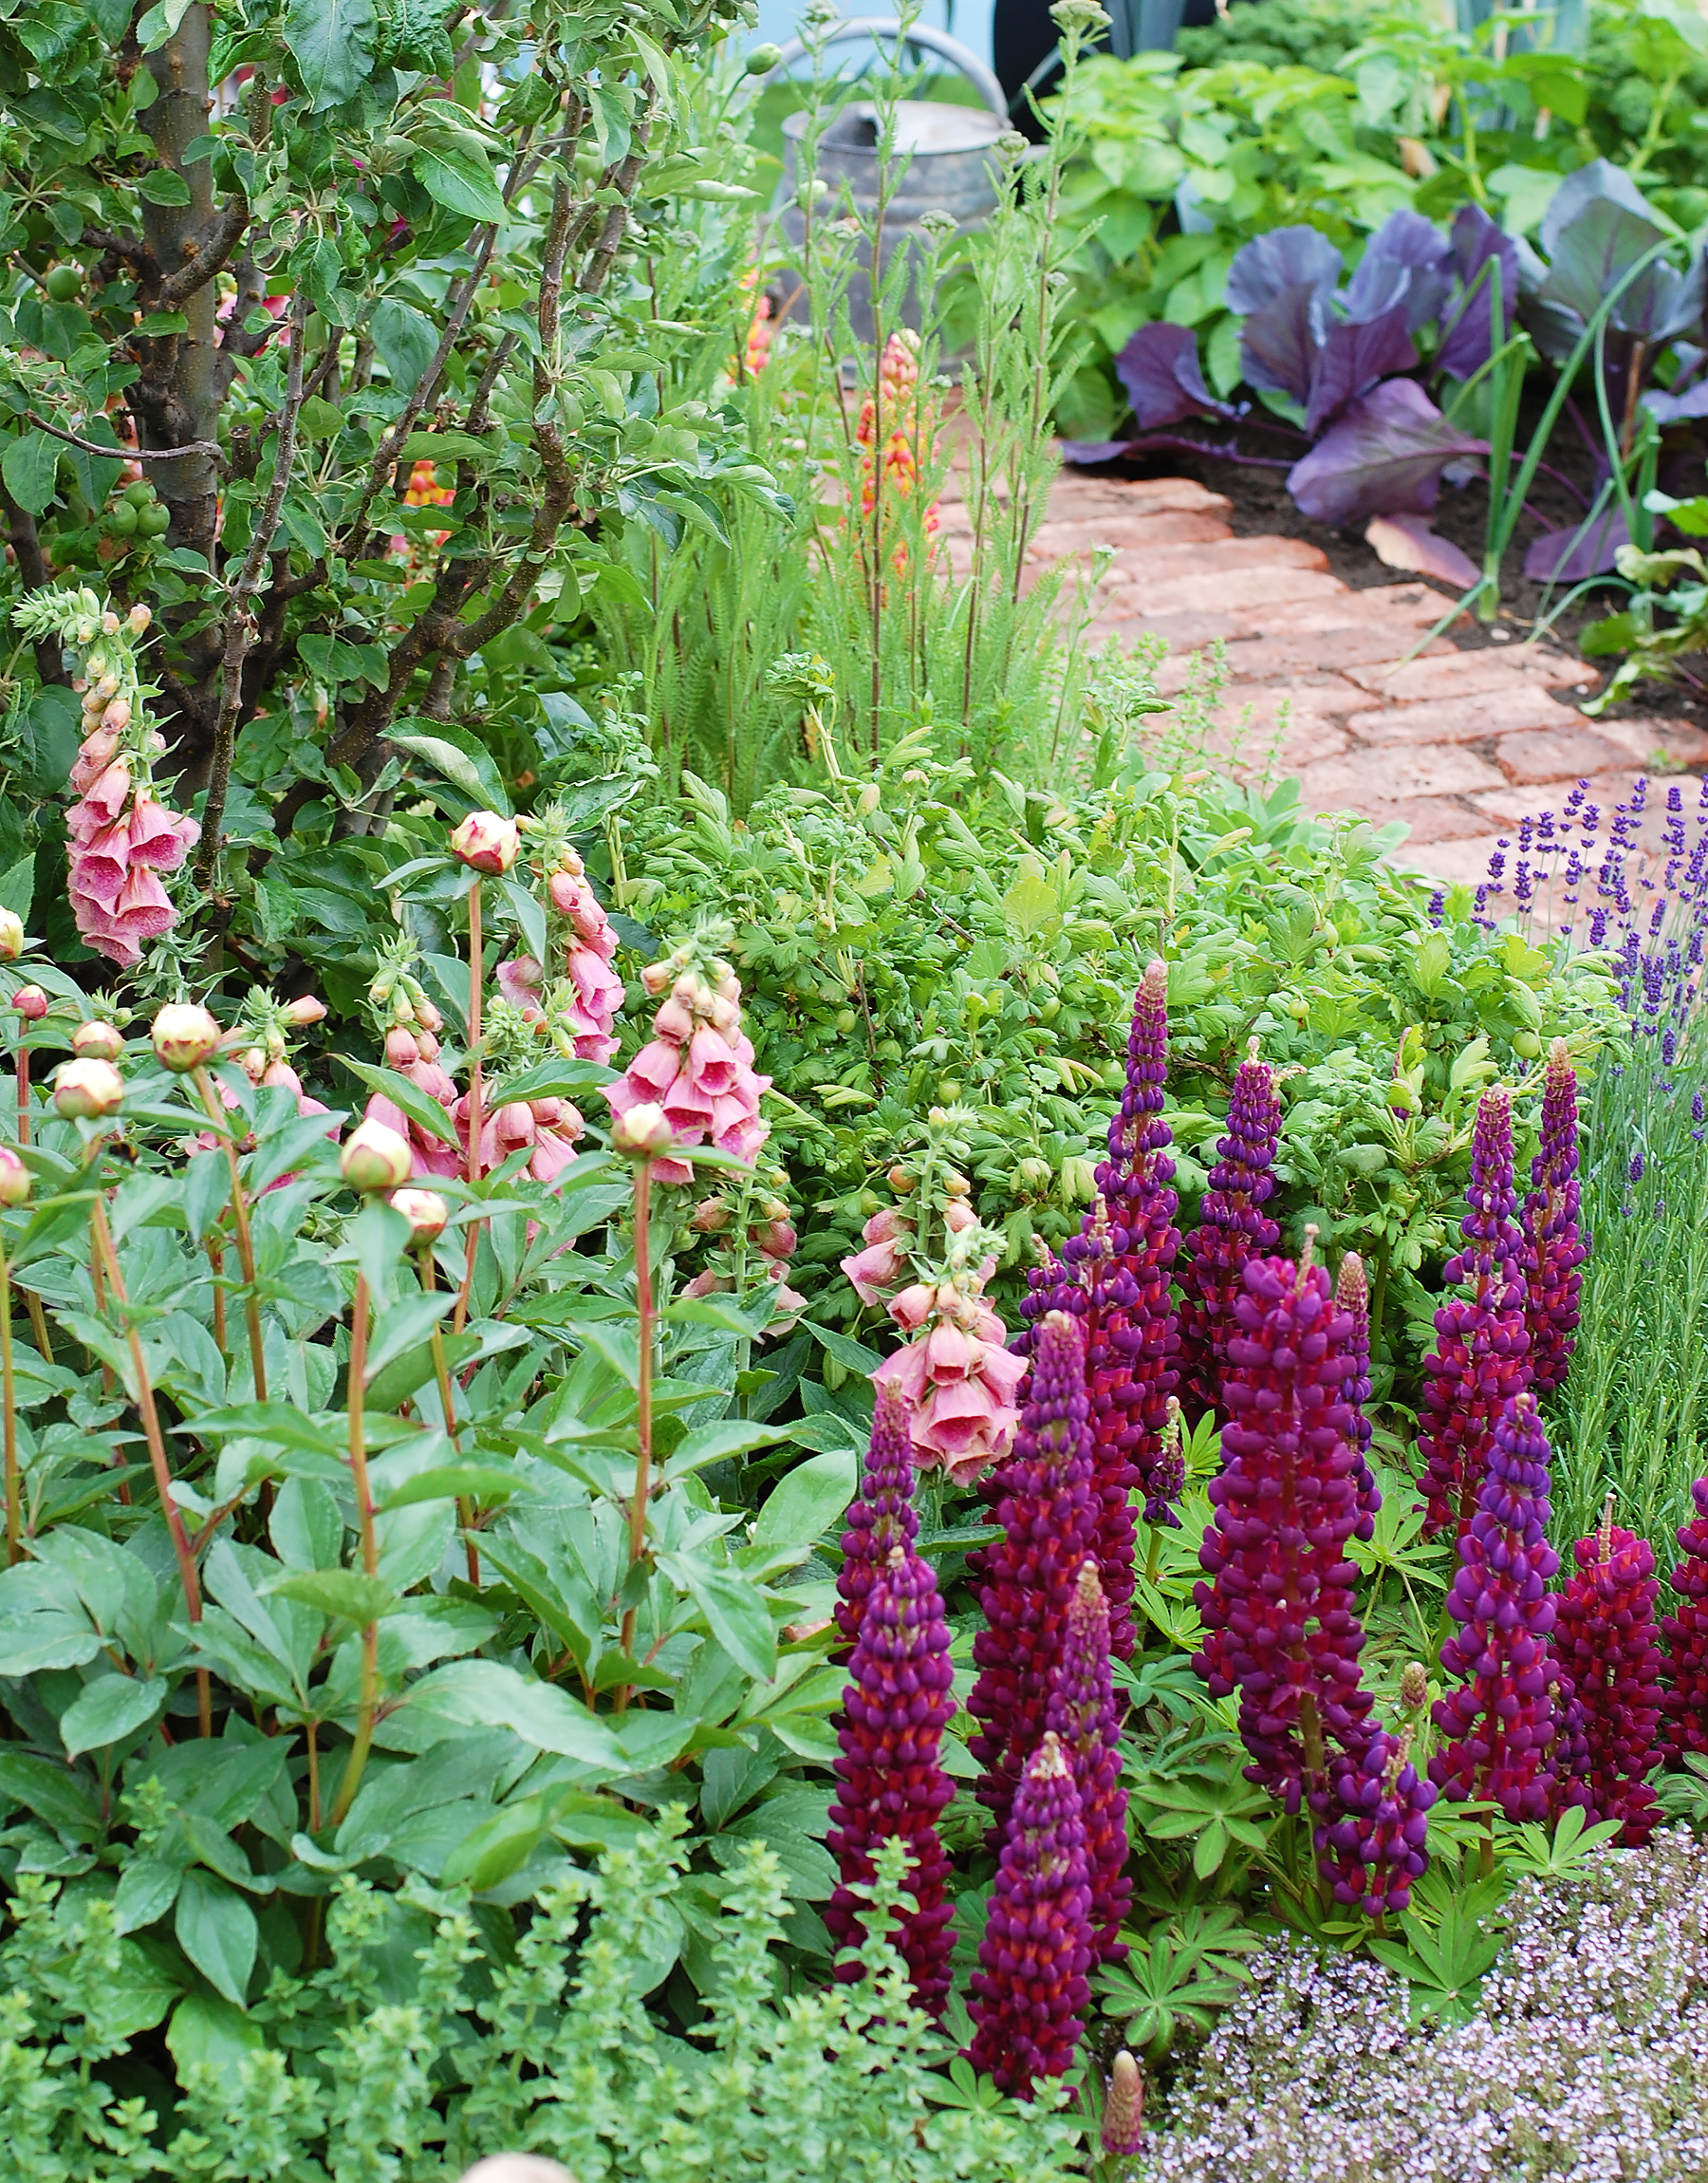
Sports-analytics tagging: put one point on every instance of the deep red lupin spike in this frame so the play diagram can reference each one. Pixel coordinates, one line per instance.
(1233, 1227)
(1685, 1724)
(1554, 1249)
(1083, 1714)
(1607, 1639)
(882, 1515)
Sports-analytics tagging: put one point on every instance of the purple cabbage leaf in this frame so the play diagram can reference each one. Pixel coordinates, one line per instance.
(1158, 368)
(1383, 456)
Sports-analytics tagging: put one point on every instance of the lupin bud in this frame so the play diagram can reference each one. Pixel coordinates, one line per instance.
(1124, 2109)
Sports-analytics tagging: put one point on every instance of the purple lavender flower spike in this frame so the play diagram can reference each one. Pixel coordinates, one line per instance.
(1232, 1228)
(1481, 1359)
(1046, 1504)
(1083, 1714)
(883, 1516)
(899, 1701)
(1030, 1992)
(1497, 1723)
(1278, 1612)
(1553, 1250)
(1371, 1838)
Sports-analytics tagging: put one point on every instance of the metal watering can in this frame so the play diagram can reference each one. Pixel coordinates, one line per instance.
(945, 153)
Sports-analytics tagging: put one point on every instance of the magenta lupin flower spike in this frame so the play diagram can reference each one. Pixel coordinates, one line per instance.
(1030, 1992)
(1373, 1827)
(1553, 1250)
(1481, 1359)
(1232, 1228)
(1353, 1295)
(1278, 1609)
(1497, 1723)
(1684, 1723)
(1605, 1639)
(1048, 1510)
(899, 1699)
(1083, 1715)
(885, 1514)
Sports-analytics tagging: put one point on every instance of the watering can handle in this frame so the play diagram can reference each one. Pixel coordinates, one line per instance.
(937, 42)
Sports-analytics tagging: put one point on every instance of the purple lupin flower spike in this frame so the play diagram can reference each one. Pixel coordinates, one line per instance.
(1497, 1723)
(1278, 1612)
(883, 1516)
(1686, 1721)
(1030, 1992)
(1047, 1506)
(1232, 1228)
(1481, 1359)
(1553, 1248)
(1353, 1295)
(899, 1699)
(1372, 1834)
(1083, 1715)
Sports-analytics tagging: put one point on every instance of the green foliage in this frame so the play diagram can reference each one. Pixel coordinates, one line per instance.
(423, 2043)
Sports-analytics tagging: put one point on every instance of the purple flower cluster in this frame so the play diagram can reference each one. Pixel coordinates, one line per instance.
(1047, 1508)
(1606, 1640)
(899, 1700)
(1232, 1228)
(1373, 1830)
(1030, 1992)
(1481, 1356)
(1083, 1717)
(1278, 1611)
(1353, 1295)
(1686, 1703)
(1497, 1723)
(1553, 1250)
(883, 1516)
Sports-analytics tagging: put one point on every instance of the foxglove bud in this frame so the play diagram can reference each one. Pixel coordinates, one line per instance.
(184, 1036)
(88, 1091)
(305, 1010)
(486, 842)
(373, 1157)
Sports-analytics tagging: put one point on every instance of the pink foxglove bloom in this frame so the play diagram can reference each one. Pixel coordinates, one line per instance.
(1045, 1501)
(875, 1271)
(959, 1380)
(550, 1130)
(117, 851)
(697, 1069)
(590, 948)
(1030, 1992)
(899, 1701)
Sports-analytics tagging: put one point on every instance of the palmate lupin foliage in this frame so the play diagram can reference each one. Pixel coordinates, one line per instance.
(899, 1699)
(1232, 1228)
(1083, 1716)
(1029, 1992)
(1684, 1718)
(1114, 1276)
(1605, 1638)
(1048, 1509)
(1553, 1250)
(1278, 1611)
(1497, 1723)
(1481, 1359)
(883, 1516)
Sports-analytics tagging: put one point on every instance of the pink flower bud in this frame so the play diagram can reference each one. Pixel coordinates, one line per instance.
(485, 842)
(116, 716)
(31, 1003)
(643, 1132)
(84, 1090)
(97, 1042)
(402, 1050)
(375, 1157)
(184, 1036)
(656, 977)
(428, 1019)
(711, 1217)
(15, 1178)
(425, 1211)
(12, 936)
(308, 1008)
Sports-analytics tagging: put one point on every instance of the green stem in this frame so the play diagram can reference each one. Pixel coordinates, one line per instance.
(460, 1317)
(240, 1222)
(643, 1391)
(442, 1375)
(14, 1526)
(366, 1701)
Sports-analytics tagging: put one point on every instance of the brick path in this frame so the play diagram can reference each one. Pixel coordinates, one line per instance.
(1458, 744)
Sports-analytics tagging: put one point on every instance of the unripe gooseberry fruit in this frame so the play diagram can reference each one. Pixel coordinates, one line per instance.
(64, 283)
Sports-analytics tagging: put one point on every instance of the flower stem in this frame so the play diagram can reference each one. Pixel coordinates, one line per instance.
(476, 973)
(358, 1759)
(217, 1265)
(245, 1249)
(441, 1374)
(23, 1059)
(14, 1525)
(105, 1255)
(38, 1324)
(643, 1390)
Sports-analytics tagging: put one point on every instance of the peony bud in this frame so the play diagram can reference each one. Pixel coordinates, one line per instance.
(184, 1036)
(375, 1157)
(643, 1132)
(485, 842)
(12, 936)
(30, 1004)
(84, 1090)
(425, 1211)
(15, 1178)
(308, 1008)
(98, 1041)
